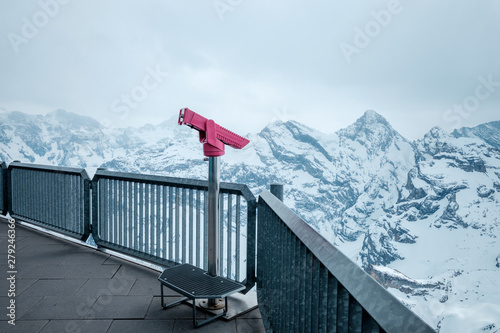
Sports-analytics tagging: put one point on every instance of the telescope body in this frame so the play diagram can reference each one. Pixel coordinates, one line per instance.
(213, 136)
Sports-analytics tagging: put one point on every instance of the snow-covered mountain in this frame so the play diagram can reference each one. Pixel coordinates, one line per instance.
(421, 217)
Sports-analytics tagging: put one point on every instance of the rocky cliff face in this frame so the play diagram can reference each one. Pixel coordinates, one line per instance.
(428, 210)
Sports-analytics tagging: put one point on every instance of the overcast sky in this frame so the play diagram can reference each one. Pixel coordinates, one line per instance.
(244, 63)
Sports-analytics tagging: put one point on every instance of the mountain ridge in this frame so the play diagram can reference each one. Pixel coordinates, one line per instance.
(427, 208)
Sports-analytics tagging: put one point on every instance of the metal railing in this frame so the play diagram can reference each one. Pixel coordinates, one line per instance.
(163, 220)
(304, 284)
(4, 203)
(53, 197)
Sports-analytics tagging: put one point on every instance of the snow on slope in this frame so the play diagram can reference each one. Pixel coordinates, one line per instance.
(422, 217)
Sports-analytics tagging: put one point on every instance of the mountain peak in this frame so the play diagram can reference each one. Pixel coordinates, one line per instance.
(371, 130)
(437, 132)
(371, 117)
(72, 119)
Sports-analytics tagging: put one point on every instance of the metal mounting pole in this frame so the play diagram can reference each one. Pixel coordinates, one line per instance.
(213, 220)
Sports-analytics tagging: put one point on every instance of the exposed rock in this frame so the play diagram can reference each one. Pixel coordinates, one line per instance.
(483, 191)
(391, 278)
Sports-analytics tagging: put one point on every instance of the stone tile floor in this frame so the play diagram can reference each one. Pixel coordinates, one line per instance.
(65, 287)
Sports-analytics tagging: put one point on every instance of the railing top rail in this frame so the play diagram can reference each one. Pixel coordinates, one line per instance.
(196, 184)
(63, 170)
(385, 308)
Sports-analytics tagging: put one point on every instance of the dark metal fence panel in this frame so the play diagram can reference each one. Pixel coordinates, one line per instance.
(304, 284)
(3, 188)
(163, 220)
(53, 197)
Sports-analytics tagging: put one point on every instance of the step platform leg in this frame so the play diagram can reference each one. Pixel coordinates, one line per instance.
(195, 321)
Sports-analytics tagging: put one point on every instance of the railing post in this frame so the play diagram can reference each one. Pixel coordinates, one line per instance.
(213, 219)
(5, 189)
(277, 191)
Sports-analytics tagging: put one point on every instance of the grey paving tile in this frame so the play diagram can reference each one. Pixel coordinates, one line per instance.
(92, 271)
(98, 287)
(150, 286)
(74, 326)
(217, 326)
(49, 271)
(81, 258)
(23, 284)
(134, 326)
(181, 311)
(60, 307)
(139, 272)
(119, 307)
(55, 287)
(28, 326)
(249, 326)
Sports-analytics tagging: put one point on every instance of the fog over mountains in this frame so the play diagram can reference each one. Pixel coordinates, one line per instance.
(422, 217)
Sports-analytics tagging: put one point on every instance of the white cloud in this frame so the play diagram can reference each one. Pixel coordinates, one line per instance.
(261, 57)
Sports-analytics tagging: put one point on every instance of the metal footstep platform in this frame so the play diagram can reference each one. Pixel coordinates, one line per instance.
(195, 283)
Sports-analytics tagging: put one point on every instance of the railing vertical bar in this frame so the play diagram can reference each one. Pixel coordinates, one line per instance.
(30, 192)
(303, 294)
(165, 222)
(286, 273)
(229, 243)
(41, 198)
(110, 210)
(198, 238)
(141, 231)
(177, 229)
(72, 195)
(238, 238)
(137, 209)
(60, 210)
(222, 224)
(279, 280)
(120, 209)
(147, 239)
(315, 292)
(160, 225)
(126, 215)
(323, 299)
(104, 198)
(184, 226)
(69, 200)
(191, 245)
(114, 214)
(295, 281)
(205, 230)
(26, 195)
(131, 214)
(171, 223)
(152, 220)
(369, 324)
(343, 310)
(332, 306)
(355, 316)
(79, 203)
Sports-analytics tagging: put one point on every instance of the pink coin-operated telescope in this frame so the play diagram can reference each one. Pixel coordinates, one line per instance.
(214, 139)
(213, 136)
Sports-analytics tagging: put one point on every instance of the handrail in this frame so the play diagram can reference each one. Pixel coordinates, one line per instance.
(53, 197)
(162, 220)
(304, 281)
